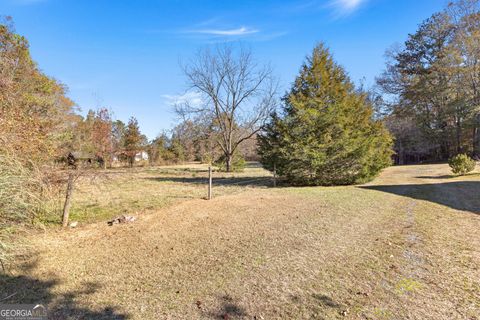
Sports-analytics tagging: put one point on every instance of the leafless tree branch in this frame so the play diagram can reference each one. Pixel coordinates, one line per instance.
(238, 94)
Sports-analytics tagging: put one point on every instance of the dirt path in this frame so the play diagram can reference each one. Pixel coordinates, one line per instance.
(397, 248)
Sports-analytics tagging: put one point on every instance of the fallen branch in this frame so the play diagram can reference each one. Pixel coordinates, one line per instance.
(9, 296)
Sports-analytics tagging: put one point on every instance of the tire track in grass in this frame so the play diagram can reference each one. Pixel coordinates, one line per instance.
(412, 254)
(413, 239)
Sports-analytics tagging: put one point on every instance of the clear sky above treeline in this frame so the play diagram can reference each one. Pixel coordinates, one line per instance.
(125, 54)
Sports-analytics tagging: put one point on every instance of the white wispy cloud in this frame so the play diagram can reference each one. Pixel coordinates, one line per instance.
(218, 29)
(345, 7)
(191, 98)
(241, 31)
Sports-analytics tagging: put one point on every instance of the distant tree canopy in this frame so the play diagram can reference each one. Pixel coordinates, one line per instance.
(431, 87)
(325, 134)
(196, 139)
(134, 141)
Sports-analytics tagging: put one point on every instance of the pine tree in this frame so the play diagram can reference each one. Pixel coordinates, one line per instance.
(133, 140)
(102, 136)
(326, 134)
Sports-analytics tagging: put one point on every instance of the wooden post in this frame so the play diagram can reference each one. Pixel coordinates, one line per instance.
(274, 175)
(68, 200)
(210, 183)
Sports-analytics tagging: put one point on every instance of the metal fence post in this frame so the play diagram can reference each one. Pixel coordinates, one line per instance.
(210, 183)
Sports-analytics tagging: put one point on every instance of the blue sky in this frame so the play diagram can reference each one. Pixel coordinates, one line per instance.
(125, 54)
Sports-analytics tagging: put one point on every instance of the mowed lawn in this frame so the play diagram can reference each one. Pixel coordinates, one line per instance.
(406, 246)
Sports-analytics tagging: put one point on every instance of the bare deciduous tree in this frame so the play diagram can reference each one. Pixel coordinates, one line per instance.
(237, 93)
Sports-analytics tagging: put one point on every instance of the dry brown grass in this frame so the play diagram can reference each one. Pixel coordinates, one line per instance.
(101, 195)
(403, 247)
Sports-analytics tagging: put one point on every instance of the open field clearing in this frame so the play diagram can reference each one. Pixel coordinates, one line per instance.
(343, 137)
(103, 195)
(406, 246)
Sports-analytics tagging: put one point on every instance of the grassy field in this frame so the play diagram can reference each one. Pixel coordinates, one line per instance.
(406, 246)
(106, 194)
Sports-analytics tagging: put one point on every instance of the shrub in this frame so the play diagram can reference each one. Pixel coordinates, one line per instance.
(206, 158)
(461, 164)
(238, 163)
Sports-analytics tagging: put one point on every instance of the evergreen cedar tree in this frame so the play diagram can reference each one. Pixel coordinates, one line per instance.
(326, 133)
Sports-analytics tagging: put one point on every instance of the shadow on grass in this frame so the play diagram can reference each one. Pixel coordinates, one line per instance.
(27, 290)
(229, 309)
(449, 176)
(224, 181)
(461, 195)
(326, 301)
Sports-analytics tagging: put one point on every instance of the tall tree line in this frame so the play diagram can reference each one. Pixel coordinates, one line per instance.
(99, 137)
(431, 87)
(35, 113)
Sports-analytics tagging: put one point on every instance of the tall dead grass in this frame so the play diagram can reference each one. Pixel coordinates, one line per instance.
(23, 195)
